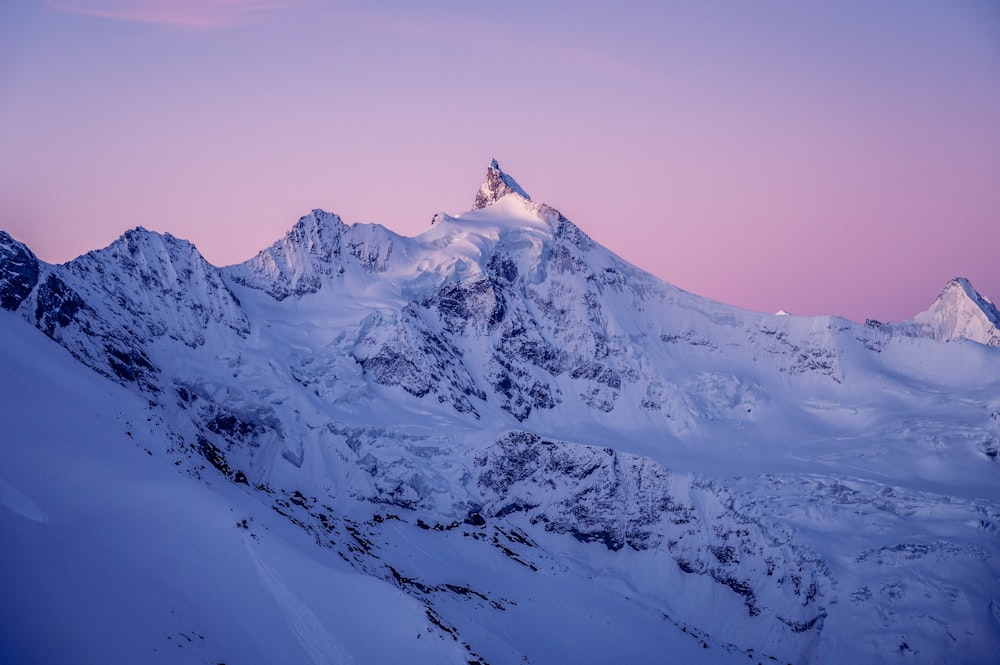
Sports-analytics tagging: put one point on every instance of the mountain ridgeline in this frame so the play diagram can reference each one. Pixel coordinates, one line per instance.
(504, 377)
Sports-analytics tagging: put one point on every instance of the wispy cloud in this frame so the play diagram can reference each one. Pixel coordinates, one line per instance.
(178, 13)
(473, 34)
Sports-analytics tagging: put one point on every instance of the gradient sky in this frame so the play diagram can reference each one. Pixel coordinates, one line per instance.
(837, 157)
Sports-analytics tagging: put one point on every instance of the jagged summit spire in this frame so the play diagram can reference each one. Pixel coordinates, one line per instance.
(497, 185)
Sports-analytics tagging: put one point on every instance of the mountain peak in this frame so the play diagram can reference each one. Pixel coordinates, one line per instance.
(960, 289)
(153, 245)
(497, 185)
(315, 228)
(961, 311)
(296, 264)
(966, 287)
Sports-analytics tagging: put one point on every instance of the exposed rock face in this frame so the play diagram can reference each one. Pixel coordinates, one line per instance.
(57, 306)
(409, 354)
(497, 185)
(596, 495)
(18, 272)
(599, 495)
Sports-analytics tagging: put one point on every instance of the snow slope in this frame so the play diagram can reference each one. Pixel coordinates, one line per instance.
(111, 555)
(501, 437)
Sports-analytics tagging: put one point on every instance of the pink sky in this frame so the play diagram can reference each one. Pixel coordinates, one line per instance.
(823, 157)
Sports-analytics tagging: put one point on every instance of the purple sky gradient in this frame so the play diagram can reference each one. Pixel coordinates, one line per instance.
(836, 157)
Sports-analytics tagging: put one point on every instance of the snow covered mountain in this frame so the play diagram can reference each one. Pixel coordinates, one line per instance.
(961, 312)
(499, 441)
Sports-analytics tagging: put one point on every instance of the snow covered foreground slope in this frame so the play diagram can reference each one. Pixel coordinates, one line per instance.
(112, 556)
(496, 435)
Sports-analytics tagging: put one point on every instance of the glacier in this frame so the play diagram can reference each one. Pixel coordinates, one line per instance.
(494, 442)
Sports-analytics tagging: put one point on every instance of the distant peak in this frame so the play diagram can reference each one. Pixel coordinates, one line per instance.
(315, 227)
(140, 236)
(961, 311)
(322, 218)
(961, 288)
(496, 186)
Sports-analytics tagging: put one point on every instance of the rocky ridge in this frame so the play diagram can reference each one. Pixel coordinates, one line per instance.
(524, 380)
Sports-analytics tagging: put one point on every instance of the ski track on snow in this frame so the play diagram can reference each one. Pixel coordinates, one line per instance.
(15, 501)
(321, 647)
